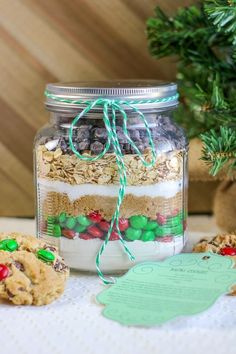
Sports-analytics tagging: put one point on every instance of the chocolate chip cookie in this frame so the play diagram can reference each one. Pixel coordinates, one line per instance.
(224, 245)
(31, 272)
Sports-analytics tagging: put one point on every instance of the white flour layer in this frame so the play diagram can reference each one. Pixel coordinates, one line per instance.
(81, 254)
(166, 189)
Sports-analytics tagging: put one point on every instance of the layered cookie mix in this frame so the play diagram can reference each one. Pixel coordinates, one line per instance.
(77, 199)
(31, 271)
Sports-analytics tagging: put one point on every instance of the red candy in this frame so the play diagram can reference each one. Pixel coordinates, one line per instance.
(228, 251)
(4, 272)
(104, 225)
(85, 236)
(161, 219)
(69, 233)
(95, 231)
(95, 217)
(123, 224)
(114, 236)
(175, 212)
(43, 225)
(165, 239)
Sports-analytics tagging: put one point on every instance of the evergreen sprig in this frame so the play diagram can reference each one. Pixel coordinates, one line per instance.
(203, 38)
(223, 16)
(219, 149)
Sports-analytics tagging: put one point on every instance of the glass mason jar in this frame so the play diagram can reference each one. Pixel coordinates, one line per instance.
(76, 199)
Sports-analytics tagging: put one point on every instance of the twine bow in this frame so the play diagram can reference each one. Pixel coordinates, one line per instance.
(110, 108)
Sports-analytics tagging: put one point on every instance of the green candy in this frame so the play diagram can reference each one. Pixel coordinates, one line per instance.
(3, 245)
(50, 230)
(161, 231)
(12, 246)
(138, 221)
(174, 221)
(45, 255)
(62, 218)
(151, 225)
(51, 219)
(133, 234)
(80, 228)
(175, 224)
(177, 230)
(83, 220)
(9, 245)
(56, 230)
(71, 222)
(165, 230)
(148, 236)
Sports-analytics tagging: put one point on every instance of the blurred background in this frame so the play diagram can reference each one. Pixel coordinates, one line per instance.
(62, 40)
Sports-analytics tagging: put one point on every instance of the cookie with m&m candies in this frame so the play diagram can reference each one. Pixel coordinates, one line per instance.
(223, 244)
(31, 271)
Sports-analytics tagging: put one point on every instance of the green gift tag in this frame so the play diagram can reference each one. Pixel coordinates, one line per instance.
(152, 293)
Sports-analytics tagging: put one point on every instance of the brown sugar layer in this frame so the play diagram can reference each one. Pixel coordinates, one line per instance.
(56, 203)
(55, 165)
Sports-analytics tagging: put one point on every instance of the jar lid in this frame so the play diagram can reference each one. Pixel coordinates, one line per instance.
(124, 90)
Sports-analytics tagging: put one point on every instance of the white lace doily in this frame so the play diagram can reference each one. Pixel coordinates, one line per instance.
(74, 324)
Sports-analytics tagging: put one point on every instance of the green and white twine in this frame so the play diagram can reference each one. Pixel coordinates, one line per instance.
(110, 108)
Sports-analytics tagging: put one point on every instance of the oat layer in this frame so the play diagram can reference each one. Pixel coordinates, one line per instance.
(69, 168)
(56, 203)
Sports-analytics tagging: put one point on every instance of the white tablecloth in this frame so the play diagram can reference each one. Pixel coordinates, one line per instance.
(74, 324)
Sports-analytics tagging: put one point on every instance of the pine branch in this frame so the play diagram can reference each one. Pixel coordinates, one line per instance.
(222, 13)
(175, 35)
(219, 149)
(206, 103)
(203, 38)
(188, 34)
